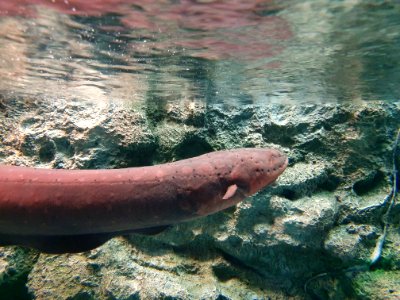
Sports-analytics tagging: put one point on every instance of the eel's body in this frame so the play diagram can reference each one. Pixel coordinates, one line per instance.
(75, 210)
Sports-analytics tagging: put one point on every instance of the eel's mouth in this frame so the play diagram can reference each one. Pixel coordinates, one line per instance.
(282, 163)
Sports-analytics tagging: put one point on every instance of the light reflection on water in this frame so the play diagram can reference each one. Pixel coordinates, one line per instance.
(250, 51)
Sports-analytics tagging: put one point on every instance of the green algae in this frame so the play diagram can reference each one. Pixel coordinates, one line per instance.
(377, 284)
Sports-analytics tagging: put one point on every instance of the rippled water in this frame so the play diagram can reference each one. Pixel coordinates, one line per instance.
(249, 51)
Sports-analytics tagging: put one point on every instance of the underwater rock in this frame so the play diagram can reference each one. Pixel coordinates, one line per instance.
(323, 215)
(15, 265)
(352, 243)
(121, 270)
(377, 284)
(71, 135)
(63, 277)
(304, 179)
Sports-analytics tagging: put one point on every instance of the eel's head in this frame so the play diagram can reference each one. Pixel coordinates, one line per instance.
(257, 168)
(246, 171)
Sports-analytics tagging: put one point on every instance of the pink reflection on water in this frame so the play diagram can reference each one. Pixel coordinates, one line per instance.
(215, 15)
(232, 29)
(81, 7)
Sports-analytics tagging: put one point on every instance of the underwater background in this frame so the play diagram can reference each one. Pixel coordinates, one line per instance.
(119, 83)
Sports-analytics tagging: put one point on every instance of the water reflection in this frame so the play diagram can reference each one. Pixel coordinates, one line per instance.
(368, 51)
(205, 50)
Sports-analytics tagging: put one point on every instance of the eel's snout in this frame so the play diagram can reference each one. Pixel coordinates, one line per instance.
(279, 162)
(275, 164)
(270, 165)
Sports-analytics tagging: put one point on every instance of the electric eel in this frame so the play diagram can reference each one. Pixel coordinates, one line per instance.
(63, 211)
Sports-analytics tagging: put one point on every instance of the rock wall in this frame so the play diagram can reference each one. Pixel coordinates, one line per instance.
(309, 235)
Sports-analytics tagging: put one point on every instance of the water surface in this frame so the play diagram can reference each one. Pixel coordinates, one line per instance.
(211, 51)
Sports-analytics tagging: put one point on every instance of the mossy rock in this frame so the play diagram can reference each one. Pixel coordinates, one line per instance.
(377, 284)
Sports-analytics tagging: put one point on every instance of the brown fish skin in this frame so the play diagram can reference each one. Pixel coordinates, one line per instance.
(41, 206)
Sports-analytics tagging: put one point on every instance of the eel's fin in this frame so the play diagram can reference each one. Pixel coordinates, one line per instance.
(230, 192)
(57, 244)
